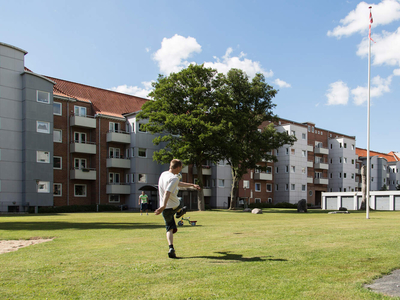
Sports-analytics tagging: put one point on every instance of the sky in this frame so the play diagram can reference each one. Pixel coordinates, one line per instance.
(315, 53)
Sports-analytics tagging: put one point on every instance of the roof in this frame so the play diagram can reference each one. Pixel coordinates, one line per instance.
(104, 102)
(389, 157)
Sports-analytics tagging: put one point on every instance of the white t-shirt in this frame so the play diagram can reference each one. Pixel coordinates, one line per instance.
(168, 182)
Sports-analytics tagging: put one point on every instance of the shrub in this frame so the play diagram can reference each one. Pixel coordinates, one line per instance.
(74, 208)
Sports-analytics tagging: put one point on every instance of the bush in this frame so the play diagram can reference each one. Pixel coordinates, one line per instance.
(74, 208)
(270, 205)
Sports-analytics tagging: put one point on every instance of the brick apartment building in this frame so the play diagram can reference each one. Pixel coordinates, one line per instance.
(65, 143)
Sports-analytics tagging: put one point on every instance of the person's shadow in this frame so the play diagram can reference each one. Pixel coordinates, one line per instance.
(227, 255)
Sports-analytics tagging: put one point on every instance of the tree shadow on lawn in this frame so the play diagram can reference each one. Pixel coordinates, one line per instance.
(75, 225)
(227, 255)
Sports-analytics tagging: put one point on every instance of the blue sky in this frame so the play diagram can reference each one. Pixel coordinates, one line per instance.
(314, 52)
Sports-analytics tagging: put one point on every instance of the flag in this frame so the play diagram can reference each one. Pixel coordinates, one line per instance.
(371, 20)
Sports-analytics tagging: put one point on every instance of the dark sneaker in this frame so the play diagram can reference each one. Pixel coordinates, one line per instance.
(171, 253)
(181, 213)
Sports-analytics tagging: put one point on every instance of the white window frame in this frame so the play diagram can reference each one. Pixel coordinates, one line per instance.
(257, 200)
(303, 187)
(114, 127)
(43, 157)
(257, 187)
(57, 104)
(55, 157)
(59, 189)
(269, 187)
(80, 137)
(85, 190)
(303, 136)
(42, 123)
(39, 99)
(221, 182)
(246, 184)
(114, 178)
(293, 187)
(43, 187)
(114, 152)
(54, 138)
(80, 111)
(80, 161)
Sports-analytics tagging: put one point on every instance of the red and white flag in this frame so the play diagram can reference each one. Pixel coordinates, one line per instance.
(371, 20)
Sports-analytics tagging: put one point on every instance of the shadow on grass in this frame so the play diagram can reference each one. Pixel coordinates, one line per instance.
(75, 225)
(228, 256)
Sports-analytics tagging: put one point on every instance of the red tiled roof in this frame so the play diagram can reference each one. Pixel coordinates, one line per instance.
(104, 101)
(389, 157)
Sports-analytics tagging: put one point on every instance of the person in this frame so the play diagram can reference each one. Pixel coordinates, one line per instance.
(143, 203)
(170, 205)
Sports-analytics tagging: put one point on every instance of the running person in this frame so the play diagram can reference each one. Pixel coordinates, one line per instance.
(143, 203)
(168, 187)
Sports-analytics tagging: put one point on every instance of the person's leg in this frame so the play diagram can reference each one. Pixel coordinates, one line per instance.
(170, 225)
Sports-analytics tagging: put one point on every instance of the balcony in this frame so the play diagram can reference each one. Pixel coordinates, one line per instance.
(118, 188)
(118, 163)
(206, 170)
(310, 148)
(322, 166)
(318, 150)
(358, 171)
(83, 174)
(310, 164)
(207, 192)
(310, 180)
(321, 181)
(185, 170)
(118, 137)
(88, 148)
(83, 121)
(262, 176)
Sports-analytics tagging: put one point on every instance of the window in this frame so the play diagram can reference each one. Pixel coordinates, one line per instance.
(287, 151)
(257, 169)
(340, 145)
(344, 175)
(57, 162)
(113, 178)
(269, 200)
(340, 160)
(80, 190)
(331, 146)
(293, 169)
(345, 145)
(142, 178)
(330, 175)
(43, 127)
(57, 189)
(57, 109)
(43, 157)
(113, 199)
(303, 187)
(57, 135)
(345, 160)
(340, 175)
(286, 169)
(246, 184)
(292, 187)
(276, 170)
(269, 170)
(309, 128)
(142, 152)
(258, 187)
(43, 97)
(114, 152)
(312, 129)
(303, 153)
(80, 137)
(79, 111)
(293, 133)
(43, 187)
(276, 187)
(293, 151)
(132, 151)
(79, 163)
(277, 152)
(286, 187)
(352, 175)
(318, 174)
(303, 170)
(113, 127)
(352, 161)
(372, 166)
(303, 136)
(257, 200)
(132, 178)
(352, 147)
(221, 182)
(269, 187)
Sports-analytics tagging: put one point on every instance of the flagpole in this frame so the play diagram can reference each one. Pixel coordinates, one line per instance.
(368, 115)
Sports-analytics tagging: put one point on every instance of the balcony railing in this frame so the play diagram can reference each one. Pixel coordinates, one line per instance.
(207, 192)
(322, 166)
(262, 176)
(321, 150)
(83, 121)
(118, 137)
(118, 188)
(321, 181)
(310, 164)
(83, 174)
(87, 147)
(118, 162)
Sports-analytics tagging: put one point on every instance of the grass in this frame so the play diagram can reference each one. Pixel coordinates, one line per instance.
(227, 255)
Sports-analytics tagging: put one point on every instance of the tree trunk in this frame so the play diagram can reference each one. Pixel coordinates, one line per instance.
(234, 190)
(200, 194)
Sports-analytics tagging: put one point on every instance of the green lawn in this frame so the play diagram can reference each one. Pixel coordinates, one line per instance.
(228, 255)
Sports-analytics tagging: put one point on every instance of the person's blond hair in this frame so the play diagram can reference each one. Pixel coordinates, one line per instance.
(175, 163)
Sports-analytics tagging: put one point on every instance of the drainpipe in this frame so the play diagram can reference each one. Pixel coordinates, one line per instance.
(99, 177)
(68, 154)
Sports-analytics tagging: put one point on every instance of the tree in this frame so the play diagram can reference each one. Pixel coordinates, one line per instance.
(244, 111)
(183, 111)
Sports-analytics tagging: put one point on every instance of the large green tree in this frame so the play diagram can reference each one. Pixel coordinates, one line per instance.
(183, 112)
(249, 133)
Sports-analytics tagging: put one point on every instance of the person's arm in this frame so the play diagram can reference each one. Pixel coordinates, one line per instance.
(186, 184)
(161, 208)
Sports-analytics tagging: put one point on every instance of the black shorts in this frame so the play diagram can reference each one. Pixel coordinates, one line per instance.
(143, 206)
(169, 217)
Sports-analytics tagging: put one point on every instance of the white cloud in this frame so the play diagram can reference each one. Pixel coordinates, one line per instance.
(238, 62)
(379, 86)
(357, 21)
(281, 83)
(174, 52)
(338, 93)
(134, 90)
(147, 49)
(396, 72)
(385, 50)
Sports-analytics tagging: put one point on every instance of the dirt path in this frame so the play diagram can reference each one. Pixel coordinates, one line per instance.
(14, 245)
